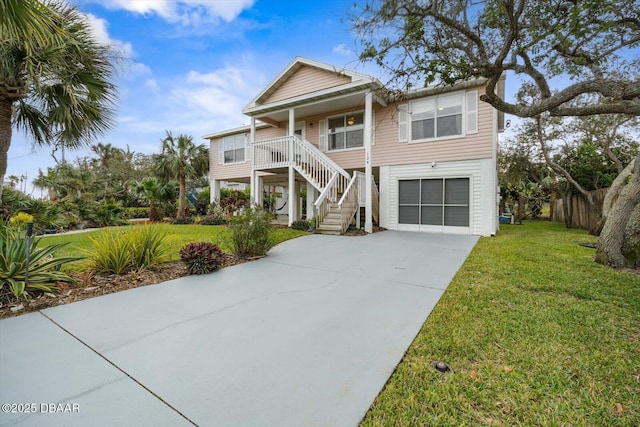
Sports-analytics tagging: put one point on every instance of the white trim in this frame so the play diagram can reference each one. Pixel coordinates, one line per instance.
(403, 123)
(322, 135)
(471, 122)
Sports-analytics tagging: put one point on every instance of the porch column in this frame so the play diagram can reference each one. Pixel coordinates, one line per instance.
(311, 196)
(253, 177)
(368, 204)
(293, 197)
(214, 187)
(259, 190)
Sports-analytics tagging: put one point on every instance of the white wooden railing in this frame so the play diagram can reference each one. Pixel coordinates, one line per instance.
(348, 204)
(271, 153)
(338, 190)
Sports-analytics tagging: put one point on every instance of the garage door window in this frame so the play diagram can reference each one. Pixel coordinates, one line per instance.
(434, 202)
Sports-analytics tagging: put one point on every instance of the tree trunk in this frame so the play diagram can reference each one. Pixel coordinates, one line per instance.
(5, 137)
(609, 250)
(521, 206)
(181, 197)
(631, 244)
(567, 207)
(612, 193)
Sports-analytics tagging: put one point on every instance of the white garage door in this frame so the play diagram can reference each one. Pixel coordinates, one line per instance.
(434, 204)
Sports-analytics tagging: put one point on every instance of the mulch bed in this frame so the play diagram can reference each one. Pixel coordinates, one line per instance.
(92, 285)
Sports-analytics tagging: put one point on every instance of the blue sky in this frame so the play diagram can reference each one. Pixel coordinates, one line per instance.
(196, 63)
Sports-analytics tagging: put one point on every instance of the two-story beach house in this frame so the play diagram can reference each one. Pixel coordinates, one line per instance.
(424, 161)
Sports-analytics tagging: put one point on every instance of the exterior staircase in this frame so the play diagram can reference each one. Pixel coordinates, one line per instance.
(340, 194)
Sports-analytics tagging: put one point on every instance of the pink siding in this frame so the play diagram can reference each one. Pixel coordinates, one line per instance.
(226, 172)
(306, 80)
(386, 149)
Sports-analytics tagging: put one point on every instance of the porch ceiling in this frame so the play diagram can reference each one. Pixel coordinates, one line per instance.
(340, 98)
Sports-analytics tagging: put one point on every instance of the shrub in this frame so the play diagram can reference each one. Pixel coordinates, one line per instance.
(108, 213)
(20, 219)
(215, 216)
(120, 252)
(202, 201)
(251, 233)
(202, 257)
(44, 273)
(301, 224)
(211, 220)
(184, 220)
(137, 212)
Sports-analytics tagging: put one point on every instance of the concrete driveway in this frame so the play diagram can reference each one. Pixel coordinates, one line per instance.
(307, 336)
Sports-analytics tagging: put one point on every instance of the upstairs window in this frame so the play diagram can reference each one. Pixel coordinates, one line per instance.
(441, 116)
(346, 131)
(232, 148)
(437, 117)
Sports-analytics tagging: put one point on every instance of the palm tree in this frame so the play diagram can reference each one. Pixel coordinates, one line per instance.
(181, 159)
(155, 192)
(47, 182)
(54, 77)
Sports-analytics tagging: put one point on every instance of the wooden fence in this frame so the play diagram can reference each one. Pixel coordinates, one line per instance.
(583, 215)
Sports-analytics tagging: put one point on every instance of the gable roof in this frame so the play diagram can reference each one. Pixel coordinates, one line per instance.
(294, 66)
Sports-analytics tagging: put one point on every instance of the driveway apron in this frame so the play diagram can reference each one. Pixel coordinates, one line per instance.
(306, 336)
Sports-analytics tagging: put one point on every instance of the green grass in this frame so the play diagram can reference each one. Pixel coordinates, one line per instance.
(536, 333)
(180, 235)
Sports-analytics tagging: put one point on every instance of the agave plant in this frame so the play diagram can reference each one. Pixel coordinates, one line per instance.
(44, 268)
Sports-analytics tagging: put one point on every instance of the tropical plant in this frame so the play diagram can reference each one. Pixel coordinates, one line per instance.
(108, 213)
(181, 159)
(110, 253)
(251, 233)
(20, 219)
(44, 274)
(155, 192)
(119, 252)
(149, 246)
(202, 257)
(54, 76)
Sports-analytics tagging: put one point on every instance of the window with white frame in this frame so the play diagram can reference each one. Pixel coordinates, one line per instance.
(439, 116)
(232, 148)
(346, 131)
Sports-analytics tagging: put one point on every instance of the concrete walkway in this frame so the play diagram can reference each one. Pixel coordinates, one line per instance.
(307, 336)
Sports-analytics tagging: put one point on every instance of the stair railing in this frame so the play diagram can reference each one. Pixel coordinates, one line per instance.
(348, 204)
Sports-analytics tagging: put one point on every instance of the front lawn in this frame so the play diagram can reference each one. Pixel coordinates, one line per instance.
(180, 235)
(536, 334)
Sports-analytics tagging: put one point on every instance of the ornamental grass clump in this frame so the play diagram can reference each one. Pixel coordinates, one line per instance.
(143, 247)
(202, 257)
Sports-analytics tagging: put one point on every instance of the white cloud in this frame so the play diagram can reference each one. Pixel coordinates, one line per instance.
(99, 29)
(342, 49)
(151, 83)
(187, 12)
(195, 103)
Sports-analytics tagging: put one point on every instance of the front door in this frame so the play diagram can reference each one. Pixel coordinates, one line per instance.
(300, 130)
